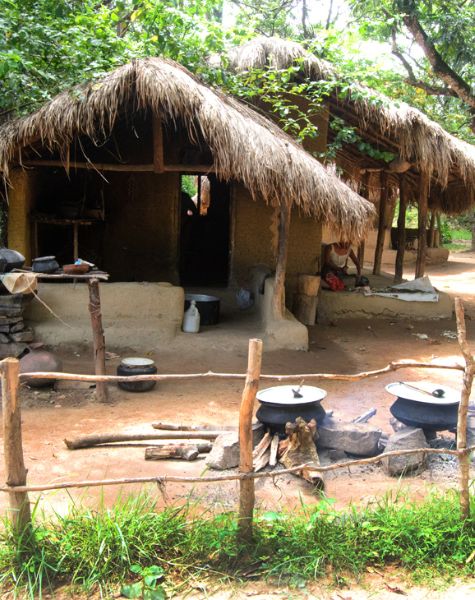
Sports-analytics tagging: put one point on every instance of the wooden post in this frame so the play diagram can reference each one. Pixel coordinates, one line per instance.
(75, 241)
(401, 230)
(15, 471)
(278, 300)
(98, 338)
(432, 230)
(383, 200)
(364, 191)
(158, 160)
(464, 459)
(422, 223)
(246, 486)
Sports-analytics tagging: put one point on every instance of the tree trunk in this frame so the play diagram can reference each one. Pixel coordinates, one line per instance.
(378, 253)
(283, 243)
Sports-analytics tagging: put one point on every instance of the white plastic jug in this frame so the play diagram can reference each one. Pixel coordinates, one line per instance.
(191, 319)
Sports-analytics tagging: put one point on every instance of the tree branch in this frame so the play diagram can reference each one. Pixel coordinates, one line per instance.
(439, 67)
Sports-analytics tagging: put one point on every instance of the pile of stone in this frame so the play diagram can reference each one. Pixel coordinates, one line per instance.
(14, 334)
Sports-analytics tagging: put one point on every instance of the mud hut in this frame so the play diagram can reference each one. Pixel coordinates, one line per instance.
(99, 172)
(429, 167)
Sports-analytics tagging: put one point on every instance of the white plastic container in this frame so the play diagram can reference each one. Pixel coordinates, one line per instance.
(191, 319)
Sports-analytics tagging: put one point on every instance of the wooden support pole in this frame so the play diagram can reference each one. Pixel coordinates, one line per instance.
(246, 488)
(422, 225)
(102, 393)
(75, 241)
(401, 229)
(383, 200)
(364, 191)
(15, 471)
(464, 457)
(158, 161)
(278, 300)
(432, 230)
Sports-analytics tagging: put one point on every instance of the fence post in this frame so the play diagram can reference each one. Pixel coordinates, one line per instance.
(246, 486)
(464, 457)
(15, 471)
(102, 393)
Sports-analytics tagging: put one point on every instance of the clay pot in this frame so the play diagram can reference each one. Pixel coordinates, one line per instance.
(40, 360)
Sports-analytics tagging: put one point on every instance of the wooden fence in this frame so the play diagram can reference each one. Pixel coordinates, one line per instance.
(16, 474)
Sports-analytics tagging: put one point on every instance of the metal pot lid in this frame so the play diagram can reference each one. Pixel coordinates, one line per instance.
(400, 390)
(135, 361)
(283, 394)
(43, 258)
(201, 298)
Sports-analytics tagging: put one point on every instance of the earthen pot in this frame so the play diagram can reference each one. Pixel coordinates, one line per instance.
(40, 360)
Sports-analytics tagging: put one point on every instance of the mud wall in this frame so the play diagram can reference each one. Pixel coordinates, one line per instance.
(254, 240)
(21, 195)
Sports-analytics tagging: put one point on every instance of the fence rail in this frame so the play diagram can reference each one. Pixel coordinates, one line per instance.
(16, 475)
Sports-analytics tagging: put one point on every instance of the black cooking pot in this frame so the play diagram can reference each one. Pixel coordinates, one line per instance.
(44, 264)
(136, 366)
(280, 405)
(10, 259)
(208, 307)
(425, 415)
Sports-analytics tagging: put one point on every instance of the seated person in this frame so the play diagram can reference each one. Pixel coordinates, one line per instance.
(335, 264)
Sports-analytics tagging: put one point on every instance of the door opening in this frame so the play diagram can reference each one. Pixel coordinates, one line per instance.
(204, 231)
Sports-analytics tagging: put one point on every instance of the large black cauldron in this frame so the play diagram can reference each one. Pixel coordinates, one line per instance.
(279, 405)
(420, 410)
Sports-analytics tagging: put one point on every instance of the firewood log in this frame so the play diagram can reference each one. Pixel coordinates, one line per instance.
(301, 449)
(176, 451)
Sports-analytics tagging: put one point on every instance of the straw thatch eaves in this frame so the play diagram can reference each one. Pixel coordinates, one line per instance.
(394, 127)
(245, 145)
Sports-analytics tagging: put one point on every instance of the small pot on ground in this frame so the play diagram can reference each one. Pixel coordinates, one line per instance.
(136, 366)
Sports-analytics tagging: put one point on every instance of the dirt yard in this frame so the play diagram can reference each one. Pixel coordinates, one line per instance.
(347, 347)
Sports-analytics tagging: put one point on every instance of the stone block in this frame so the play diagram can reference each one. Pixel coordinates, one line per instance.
(409, 438)
(360, 439)
(26, 335)
(4, 339)
(12, 349)
(20, 326)
(225, 452)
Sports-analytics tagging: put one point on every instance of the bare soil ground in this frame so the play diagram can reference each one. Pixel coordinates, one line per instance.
(349, 346)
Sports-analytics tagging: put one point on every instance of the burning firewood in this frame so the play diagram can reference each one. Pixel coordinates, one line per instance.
(301, 449)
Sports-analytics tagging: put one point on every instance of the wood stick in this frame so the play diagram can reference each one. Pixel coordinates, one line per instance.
(96, 439)
(464, 459)
(262, 445)
(422, 225)
(98, 338)
(273, 450)
(179, 427)
(383, 200)
(158, 161)
(262, 460)
(278, 301)
(392, 366)
(230, 477)
(15, 471)
(366, 416)
(168, 451)
(246, 488)
(401, 229)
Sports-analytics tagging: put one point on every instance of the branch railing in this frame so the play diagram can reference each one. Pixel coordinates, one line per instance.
(16, 474)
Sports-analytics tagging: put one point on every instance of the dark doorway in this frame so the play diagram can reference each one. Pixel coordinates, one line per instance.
(204, 237)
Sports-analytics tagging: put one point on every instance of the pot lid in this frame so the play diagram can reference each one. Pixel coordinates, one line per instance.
(135, 361)
(283, 394)
(42, 258)
(405, 392)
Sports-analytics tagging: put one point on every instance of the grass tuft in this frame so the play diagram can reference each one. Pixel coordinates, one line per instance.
(102, 548)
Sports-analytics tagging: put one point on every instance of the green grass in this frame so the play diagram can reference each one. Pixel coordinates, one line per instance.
(91, 549)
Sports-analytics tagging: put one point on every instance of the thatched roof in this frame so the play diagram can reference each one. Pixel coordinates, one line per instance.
(396, 127)
(245, 145)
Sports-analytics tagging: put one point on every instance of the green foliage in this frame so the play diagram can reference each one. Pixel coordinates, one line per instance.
(189, 185)
(89, 549)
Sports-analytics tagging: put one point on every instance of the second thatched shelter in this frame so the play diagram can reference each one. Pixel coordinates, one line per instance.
(429, 167)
